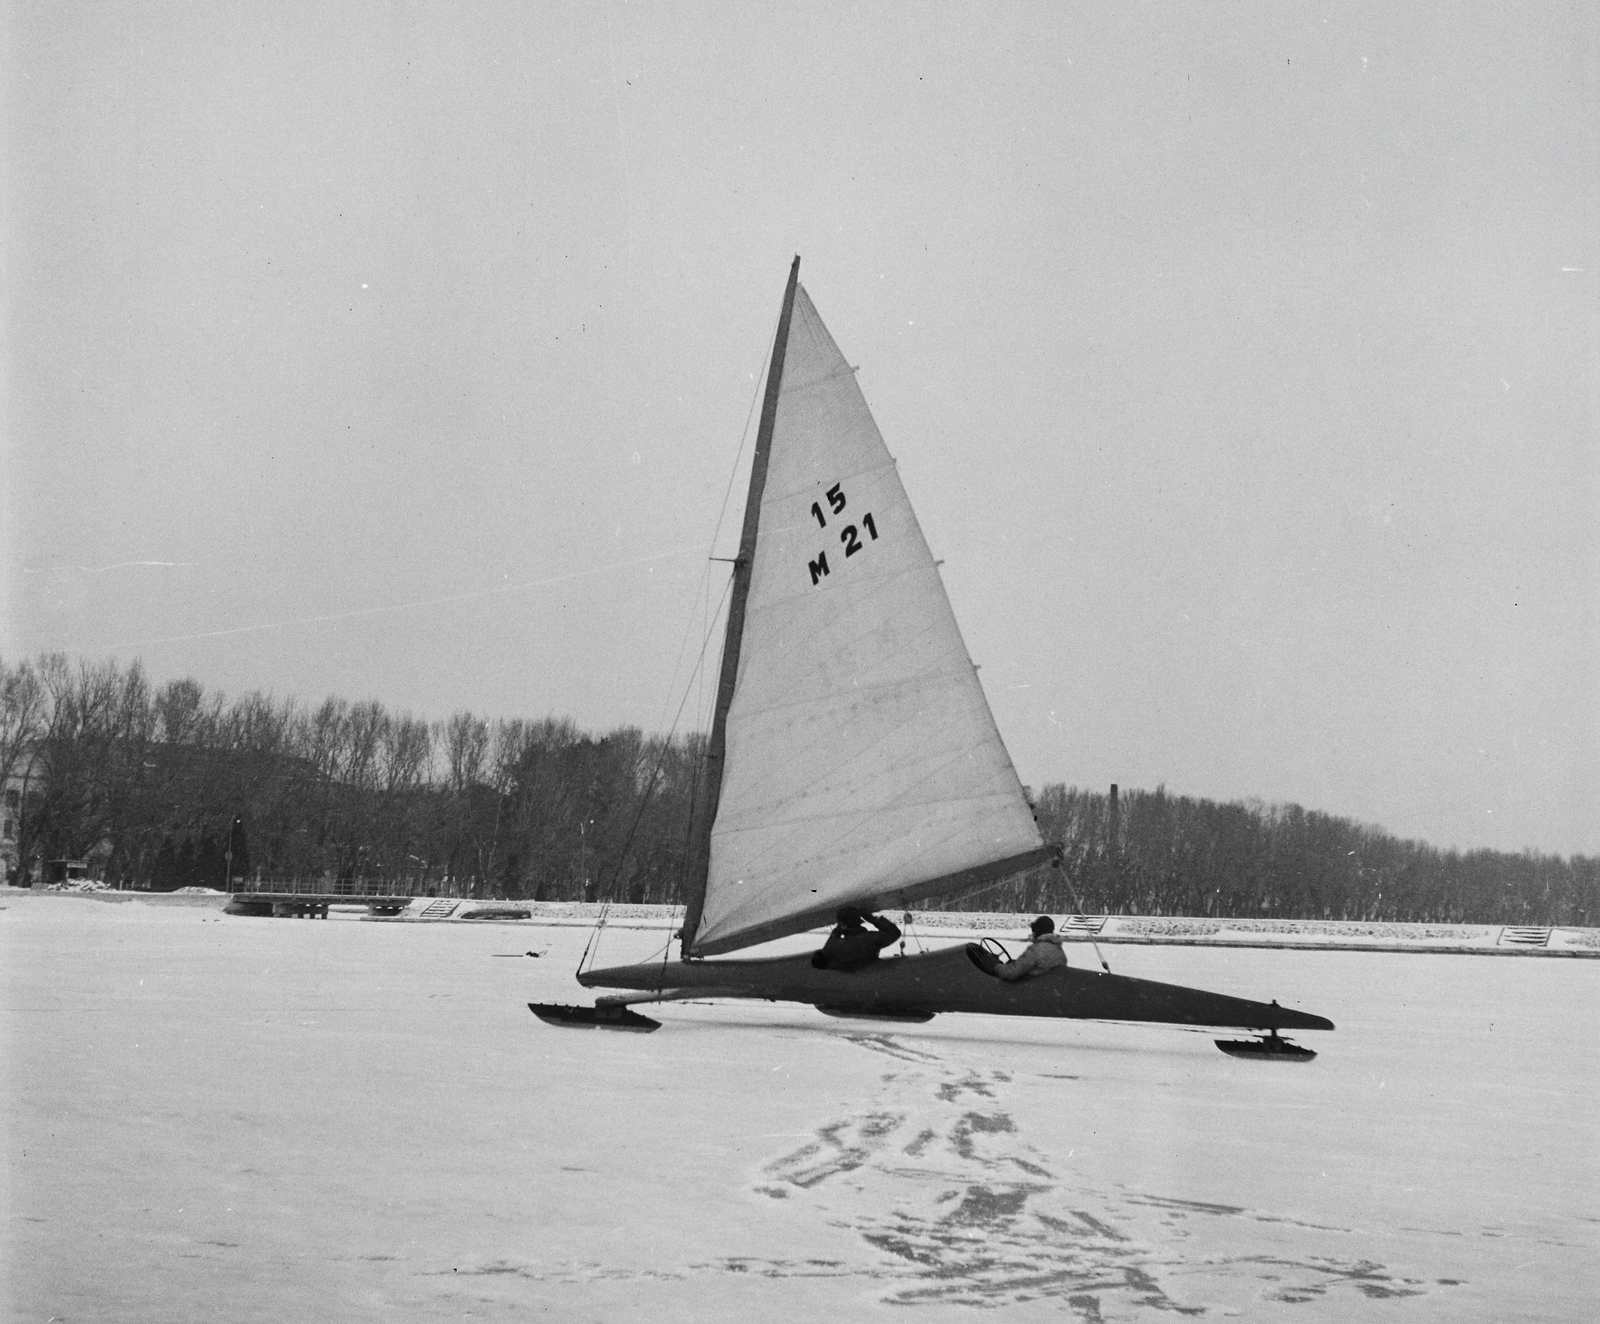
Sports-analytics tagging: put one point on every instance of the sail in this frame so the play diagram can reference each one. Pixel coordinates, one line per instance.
(862, 764)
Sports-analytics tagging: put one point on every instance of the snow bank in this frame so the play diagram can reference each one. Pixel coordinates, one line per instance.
(1136, 930)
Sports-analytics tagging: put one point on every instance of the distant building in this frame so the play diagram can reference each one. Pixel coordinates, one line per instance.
(20, 805)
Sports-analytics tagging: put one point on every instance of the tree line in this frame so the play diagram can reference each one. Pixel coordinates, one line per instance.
(163, 786)
(1153, 853)
(169, 785)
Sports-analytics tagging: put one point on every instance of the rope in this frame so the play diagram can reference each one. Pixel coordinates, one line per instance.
(666, 949)
(1066, 877)
(685, 861)
(594, 936)
(907, 930)
(688, 688)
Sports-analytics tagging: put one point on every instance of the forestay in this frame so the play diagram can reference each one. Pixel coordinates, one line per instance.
(862, 766)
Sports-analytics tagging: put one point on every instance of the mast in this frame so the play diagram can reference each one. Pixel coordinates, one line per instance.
(700, 856)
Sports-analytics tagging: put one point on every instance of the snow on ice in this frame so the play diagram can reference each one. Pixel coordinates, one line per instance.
(221, 1118)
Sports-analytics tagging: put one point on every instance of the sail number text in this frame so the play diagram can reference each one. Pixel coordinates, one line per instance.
(850, 535)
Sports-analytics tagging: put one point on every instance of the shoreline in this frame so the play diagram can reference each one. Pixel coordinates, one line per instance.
(1110, 930)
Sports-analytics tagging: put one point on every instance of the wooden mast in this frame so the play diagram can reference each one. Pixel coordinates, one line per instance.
(700, 856)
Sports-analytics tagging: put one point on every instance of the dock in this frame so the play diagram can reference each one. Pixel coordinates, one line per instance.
(312, 903)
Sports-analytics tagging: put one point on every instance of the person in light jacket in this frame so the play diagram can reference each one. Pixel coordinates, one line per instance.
(1044, 953)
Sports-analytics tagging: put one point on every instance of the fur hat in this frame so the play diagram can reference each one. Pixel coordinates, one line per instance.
(1043, 925)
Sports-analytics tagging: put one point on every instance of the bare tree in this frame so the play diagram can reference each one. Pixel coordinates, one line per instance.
(22, 723)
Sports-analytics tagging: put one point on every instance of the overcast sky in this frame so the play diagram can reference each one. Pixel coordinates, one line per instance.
(1241, 362)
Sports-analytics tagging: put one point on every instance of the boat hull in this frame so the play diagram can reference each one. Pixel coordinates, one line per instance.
(907, 987)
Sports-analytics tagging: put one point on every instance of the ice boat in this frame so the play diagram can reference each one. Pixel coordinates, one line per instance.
(853, 760)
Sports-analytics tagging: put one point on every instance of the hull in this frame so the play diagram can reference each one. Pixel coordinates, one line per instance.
(913, 987)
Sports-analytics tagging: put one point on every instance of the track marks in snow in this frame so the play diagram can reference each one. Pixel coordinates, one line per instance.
(971, 1083)
(936, 1176)
(891, 1047)
(962, 1210)
(1314, 1277)
(839, 1148)
(1180, 1208)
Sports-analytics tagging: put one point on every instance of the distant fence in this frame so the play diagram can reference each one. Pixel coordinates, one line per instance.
(338, 887)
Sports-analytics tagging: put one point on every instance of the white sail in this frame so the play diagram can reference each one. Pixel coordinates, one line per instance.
(862, 766)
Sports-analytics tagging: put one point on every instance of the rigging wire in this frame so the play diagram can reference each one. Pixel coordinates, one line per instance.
(766, 365)
(688, 837)
(666, 745)
(1066, 877)
(698, 673)
(907, 930)
(594, 936)
(722, 515)
(666, 947)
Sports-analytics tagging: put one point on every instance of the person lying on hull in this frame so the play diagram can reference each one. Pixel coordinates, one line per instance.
(851, 945)
(1044, 954)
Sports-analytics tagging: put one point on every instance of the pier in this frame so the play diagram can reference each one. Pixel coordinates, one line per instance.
(379, 898)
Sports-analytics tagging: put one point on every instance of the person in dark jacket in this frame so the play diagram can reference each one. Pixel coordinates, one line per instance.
(851, 945)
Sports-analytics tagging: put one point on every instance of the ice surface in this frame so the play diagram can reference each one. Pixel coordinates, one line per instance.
(225, 1118)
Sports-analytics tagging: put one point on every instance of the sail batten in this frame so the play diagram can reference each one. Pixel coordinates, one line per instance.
(861, 764)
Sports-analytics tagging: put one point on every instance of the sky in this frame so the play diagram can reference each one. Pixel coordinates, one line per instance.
(1242, 364)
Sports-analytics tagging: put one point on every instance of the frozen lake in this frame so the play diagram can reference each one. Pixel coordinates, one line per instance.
(221, 1118)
